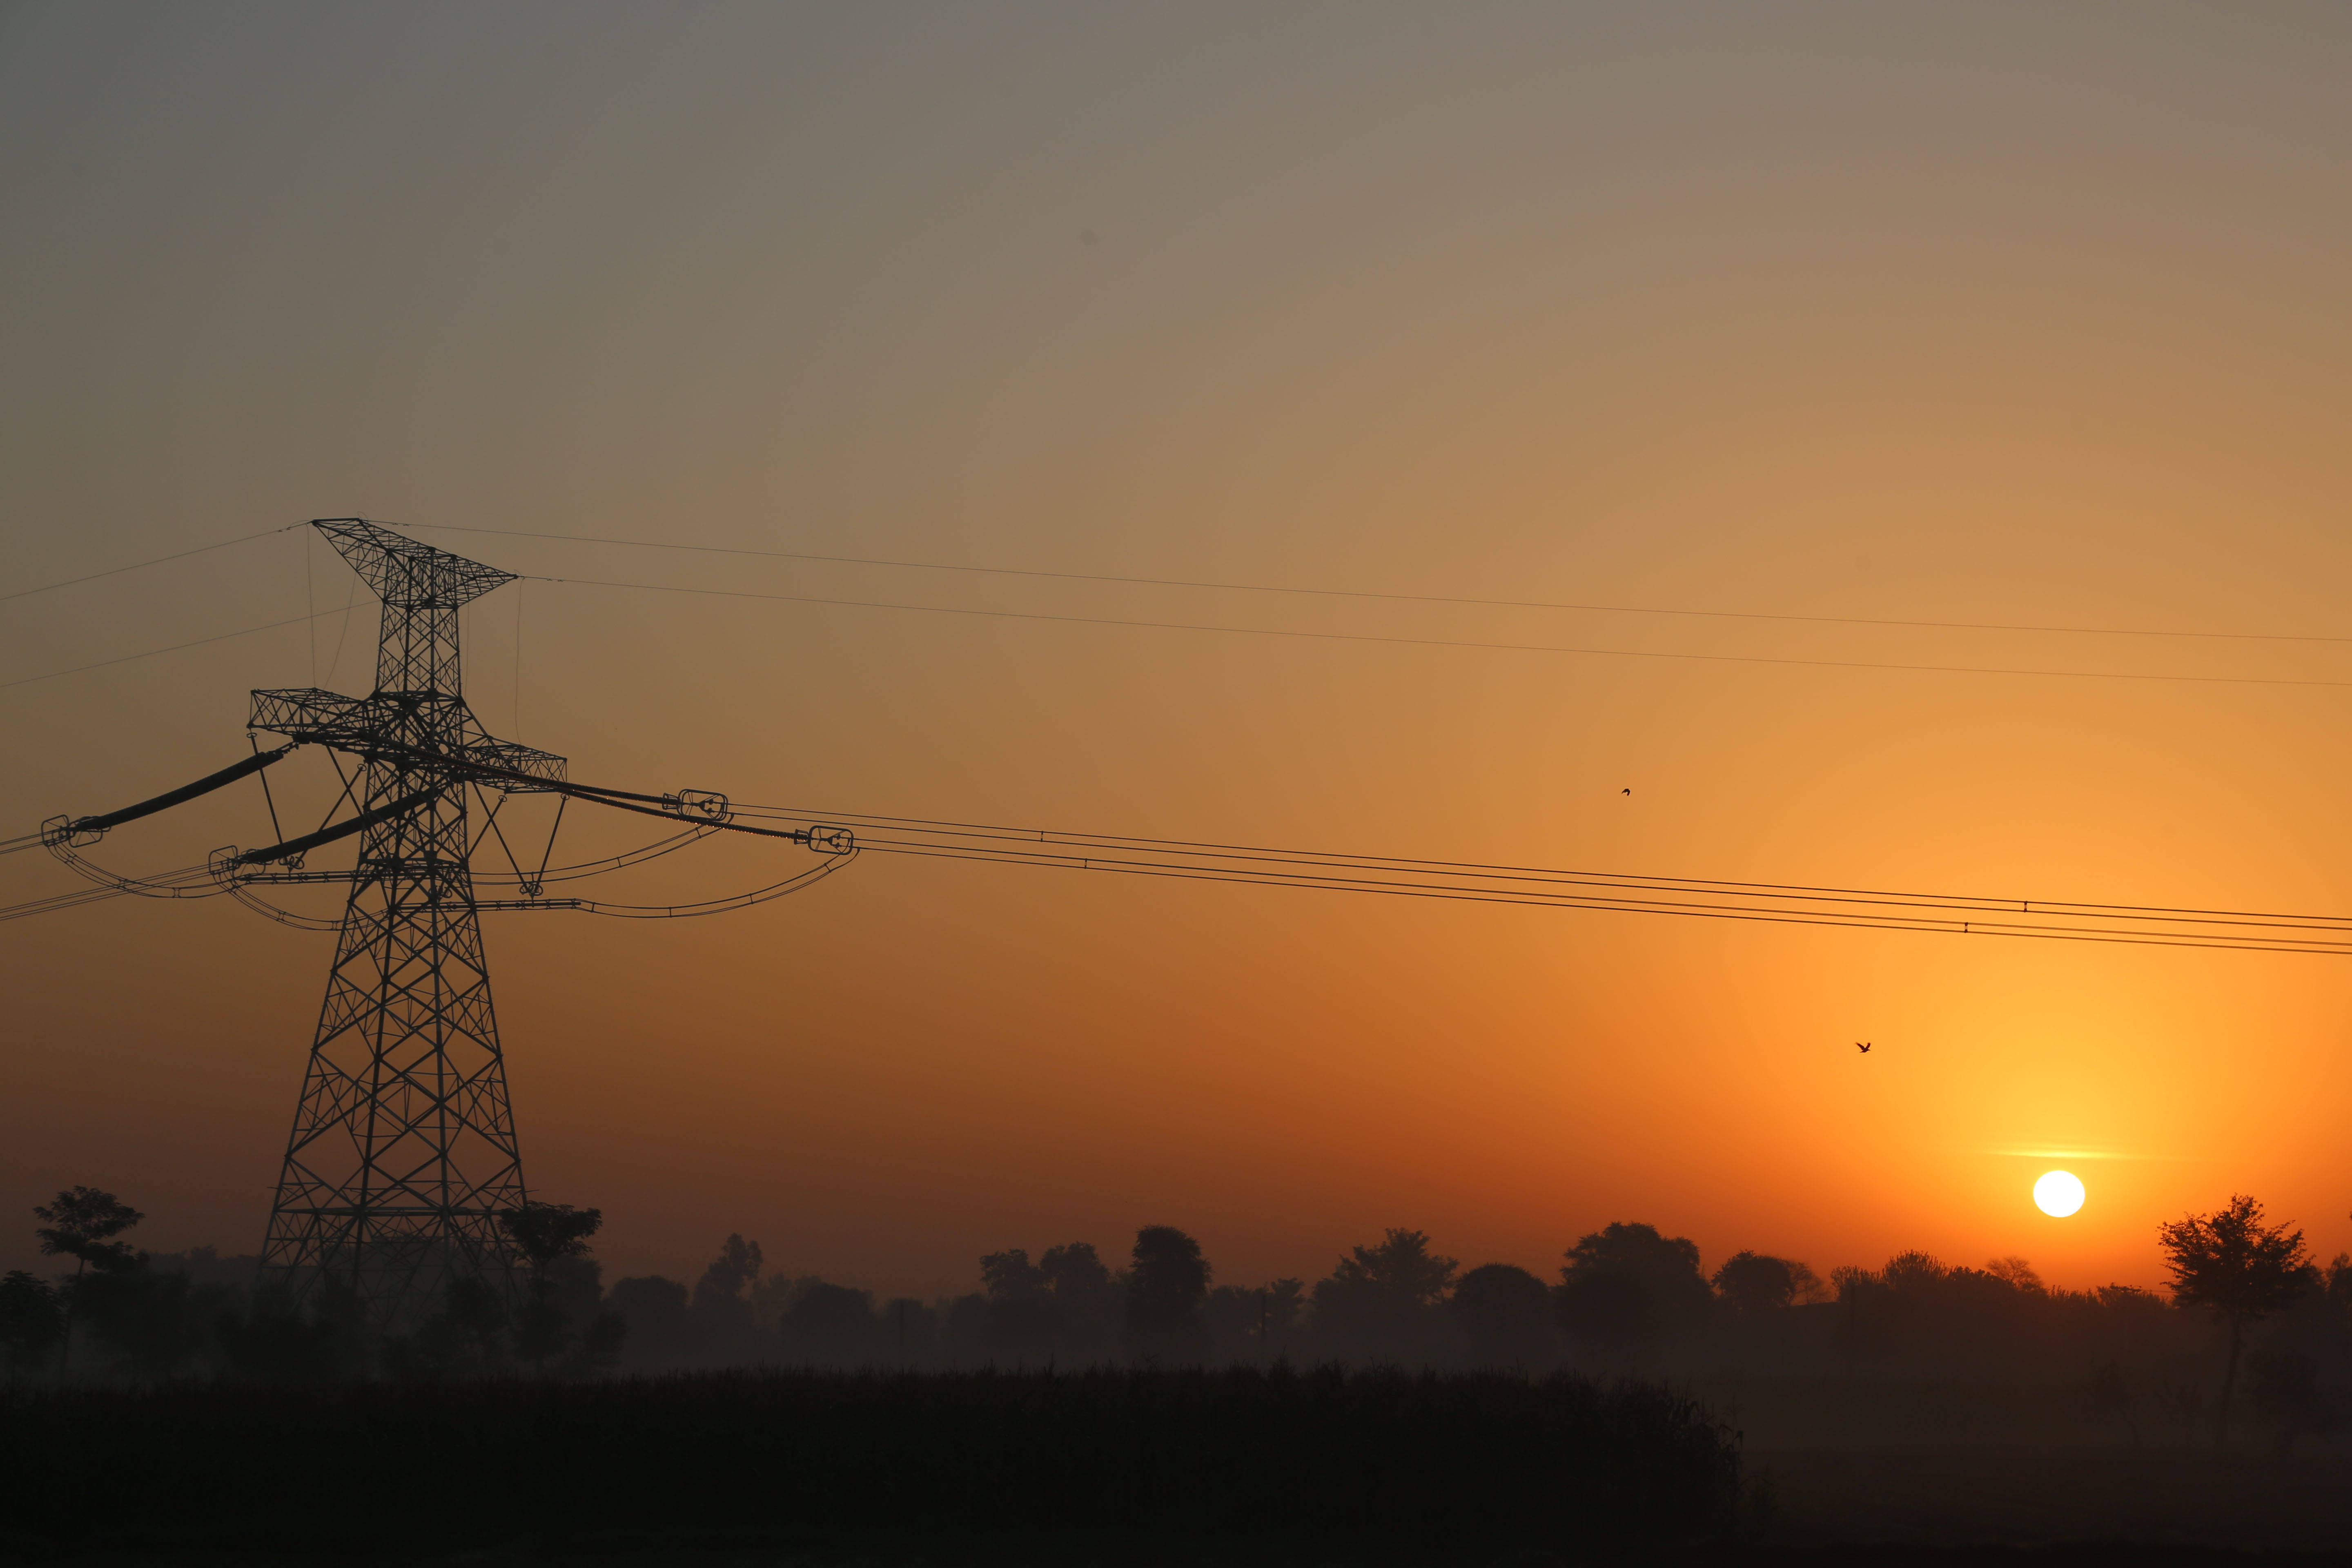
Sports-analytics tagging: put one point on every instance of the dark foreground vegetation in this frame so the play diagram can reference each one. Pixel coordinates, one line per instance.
(1919, 1402)
(1334, 1454)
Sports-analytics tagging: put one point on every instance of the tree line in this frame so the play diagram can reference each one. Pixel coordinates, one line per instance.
(2247, 1304)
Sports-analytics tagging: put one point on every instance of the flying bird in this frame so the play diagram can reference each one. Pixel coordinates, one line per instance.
(1625, 792)
(1861, 1046)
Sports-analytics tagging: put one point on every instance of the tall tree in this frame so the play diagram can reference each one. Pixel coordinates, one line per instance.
(547, 1233)
(1021, 1314)
(1165, 1285)
(2243, 1270)
(1085, 1301)
(721, 1315)
(81, 1225)
(548, 1236)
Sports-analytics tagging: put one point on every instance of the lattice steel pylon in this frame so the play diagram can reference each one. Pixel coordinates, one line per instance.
(403, 1153)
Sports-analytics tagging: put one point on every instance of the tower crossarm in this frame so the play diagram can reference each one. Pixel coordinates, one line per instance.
(514, 758)
(322, 718)
(365, 724)
(405, 574)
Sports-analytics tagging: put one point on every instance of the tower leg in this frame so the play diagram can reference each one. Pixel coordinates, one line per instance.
(403, 1153)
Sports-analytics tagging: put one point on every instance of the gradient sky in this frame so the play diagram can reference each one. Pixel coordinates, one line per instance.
(2023, 313)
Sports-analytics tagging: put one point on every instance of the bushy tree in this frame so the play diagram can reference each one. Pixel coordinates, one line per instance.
(829, 1322)
(80, 1225)
(1167, 1279)
(1086, 1301)
(1009, 1276)
(1504, 1314)
(2017, 1273)
(1756, 1284)
(1914, 1272)
(1626, 1286)
(553, 1239)
(1390, 1293)
(545, 1233)
(2230, 1262)
(1078, 1278)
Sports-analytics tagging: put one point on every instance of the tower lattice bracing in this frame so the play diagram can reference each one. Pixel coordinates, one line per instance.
(403, 1152)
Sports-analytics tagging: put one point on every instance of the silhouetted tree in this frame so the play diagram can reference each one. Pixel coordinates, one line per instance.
(1914, 1272)
(1009, 1276)
(1625, 1286)
(1022, 1312)
(2243, 1270)
(81, 1223)
(829, 1322)
(1755, 1284)
(1503, 1313)
(721, 1317)
(2017, 1273)
(1086, 1299)
(1078, 1278)
(1389, 1293)
(545, 1233)
(32, 1319)
(1165, 1285)
(550, 1236)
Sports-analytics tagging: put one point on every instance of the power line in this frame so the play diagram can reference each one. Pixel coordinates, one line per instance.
(845, 834)
(1533, 887)
(1416, 865)
(141, 565)
(1461, 643)
(1399, 598)
(175, 648)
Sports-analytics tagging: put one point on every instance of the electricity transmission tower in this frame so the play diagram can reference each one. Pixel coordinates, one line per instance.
(403, 1159)
(403, 1153)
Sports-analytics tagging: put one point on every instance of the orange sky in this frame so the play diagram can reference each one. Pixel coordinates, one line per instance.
(2019, 314)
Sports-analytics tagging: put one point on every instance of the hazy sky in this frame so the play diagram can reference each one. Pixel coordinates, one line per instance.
(2031, 313)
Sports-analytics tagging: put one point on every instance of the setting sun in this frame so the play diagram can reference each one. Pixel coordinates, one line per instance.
(2058, 1194)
